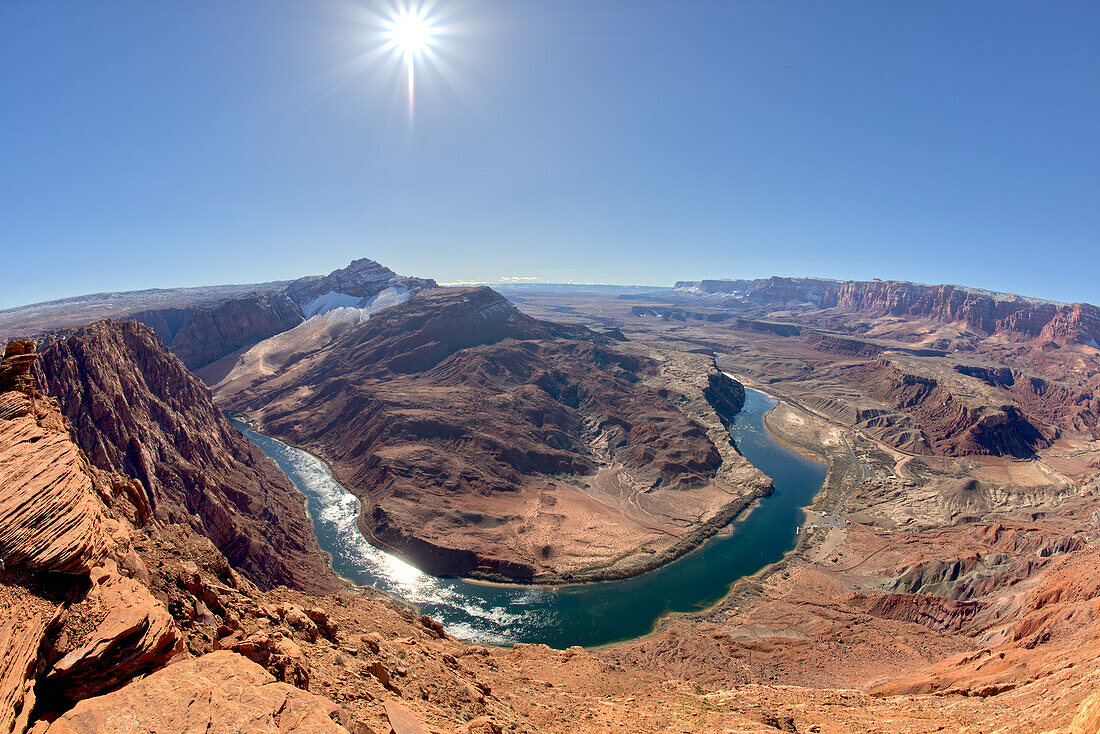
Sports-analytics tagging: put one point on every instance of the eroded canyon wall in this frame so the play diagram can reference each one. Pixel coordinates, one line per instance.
(134, 408)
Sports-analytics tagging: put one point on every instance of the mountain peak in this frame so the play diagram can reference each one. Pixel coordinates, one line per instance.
(353, 286)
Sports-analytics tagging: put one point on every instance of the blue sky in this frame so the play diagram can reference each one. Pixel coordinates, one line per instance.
(185, 143)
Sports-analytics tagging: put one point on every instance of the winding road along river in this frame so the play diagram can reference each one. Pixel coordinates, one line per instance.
(584, 614)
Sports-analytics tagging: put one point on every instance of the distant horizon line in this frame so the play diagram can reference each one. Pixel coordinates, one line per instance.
(532, 282)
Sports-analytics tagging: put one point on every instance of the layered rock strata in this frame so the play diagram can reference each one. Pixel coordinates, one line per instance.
(983, 311)
(135, 409)
(70, 624)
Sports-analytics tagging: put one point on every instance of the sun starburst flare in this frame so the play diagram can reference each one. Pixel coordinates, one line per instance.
(420, 40)
(410, 32)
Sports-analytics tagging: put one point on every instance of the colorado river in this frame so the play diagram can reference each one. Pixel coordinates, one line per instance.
(585, 614)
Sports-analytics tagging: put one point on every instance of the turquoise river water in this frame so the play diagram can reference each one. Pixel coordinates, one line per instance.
(583, 614)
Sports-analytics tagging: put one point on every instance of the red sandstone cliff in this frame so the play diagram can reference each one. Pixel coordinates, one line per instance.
(134, 408)
(953, 423)
(72, 622)
(979, 310)
(199, 335)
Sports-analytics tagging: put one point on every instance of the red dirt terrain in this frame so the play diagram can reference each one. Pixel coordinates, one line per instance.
(961, 491)
(944, 579)
(485, 442)
(212, 651)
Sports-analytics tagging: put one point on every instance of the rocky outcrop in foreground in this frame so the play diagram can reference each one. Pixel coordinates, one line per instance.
(71, 623)
(51, 517)
(82, 614)
(135, 409)
(131, 632)
(219, 692)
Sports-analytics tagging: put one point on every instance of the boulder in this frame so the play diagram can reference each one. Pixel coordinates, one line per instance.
(218, 693)
(402, 720)
(131, 633)
(433, 626)
(371, 641)
(276, 652)
(320, 617)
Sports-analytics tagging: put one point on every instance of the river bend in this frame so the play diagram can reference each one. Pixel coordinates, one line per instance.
(583, 614)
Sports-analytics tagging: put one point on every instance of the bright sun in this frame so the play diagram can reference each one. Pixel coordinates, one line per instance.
(410, 32)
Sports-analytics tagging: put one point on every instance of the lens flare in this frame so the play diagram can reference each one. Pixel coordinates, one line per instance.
(410, 33)
(411, 38)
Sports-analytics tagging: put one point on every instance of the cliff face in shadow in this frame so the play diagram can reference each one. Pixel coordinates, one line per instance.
(134, 408)
(199, 335)
(725, 394)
